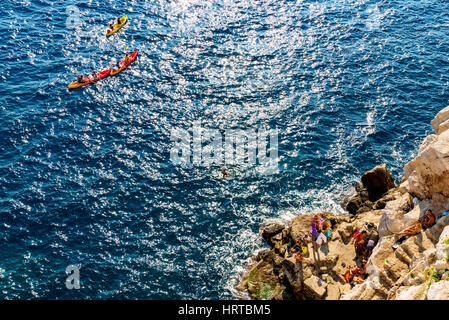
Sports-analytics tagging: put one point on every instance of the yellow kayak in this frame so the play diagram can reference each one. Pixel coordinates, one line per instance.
(117, 26)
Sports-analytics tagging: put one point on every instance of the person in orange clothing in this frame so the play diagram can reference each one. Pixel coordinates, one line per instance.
(355, 274)
(428, 219)
(413, 229)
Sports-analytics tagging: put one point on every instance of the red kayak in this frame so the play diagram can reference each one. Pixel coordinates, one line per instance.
(89, 79)
(124, 64)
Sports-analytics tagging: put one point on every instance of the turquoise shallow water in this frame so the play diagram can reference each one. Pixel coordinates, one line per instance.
(86, 176)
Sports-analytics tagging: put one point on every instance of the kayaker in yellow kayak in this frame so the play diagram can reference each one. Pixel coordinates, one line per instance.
(125, 60)
(116, 25)
(79, 77)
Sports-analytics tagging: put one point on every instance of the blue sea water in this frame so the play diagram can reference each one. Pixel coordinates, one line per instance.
(86, 177)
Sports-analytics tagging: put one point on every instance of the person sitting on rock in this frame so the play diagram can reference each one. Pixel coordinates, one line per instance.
(369, 248)
(299, 249)
(355, 274)
(428, 219)
(360, 243)
(296, 247)
(414, 229)
(306, 239)
(349, 274)
(360, 247)
(365, 249)
(361, 272)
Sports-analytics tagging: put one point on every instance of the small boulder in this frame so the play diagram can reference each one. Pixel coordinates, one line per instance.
(380, 204)
(276, 238)
(364, 195)
(345, 230)
(271, 229)
(314, 288)
(358, 203)
(354, 204)
(377, 181)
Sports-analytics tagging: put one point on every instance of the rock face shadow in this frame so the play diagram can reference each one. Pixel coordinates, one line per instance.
(325, 248)
(316, 253)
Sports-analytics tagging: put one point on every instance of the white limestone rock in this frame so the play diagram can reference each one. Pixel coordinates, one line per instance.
(441, 121)
(442, 251)
(438, 291)
(427, 176)
(411, 293)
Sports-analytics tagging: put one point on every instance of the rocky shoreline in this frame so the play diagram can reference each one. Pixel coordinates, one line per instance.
(417, 269)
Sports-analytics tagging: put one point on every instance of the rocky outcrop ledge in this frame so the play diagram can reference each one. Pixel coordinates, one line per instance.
(417, 269)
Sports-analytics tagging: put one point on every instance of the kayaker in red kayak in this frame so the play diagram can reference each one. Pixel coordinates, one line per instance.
(94, 73)
(126, 59)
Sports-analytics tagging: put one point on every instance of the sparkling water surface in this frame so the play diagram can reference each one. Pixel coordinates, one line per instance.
(86, 177)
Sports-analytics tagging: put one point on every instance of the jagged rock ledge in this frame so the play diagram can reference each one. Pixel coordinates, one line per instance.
(417, 269)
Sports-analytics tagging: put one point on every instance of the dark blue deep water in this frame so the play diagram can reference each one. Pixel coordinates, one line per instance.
(86, 177)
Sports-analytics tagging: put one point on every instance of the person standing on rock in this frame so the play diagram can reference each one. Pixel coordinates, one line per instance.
(324, 234)
(316, 221)
(320, 230)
